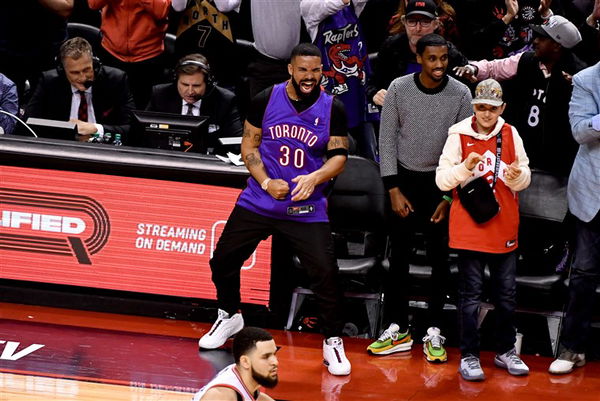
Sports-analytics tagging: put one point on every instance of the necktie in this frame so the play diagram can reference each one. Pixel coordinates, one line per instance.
(82, 113)
(190, 109)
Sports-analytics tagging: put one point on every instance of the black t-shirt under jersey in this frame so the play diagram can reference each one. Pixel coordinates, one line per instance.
(339, 122)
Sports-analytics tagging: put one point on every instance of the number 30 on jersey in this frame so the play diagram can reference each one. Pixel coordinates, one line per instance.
(287, 156)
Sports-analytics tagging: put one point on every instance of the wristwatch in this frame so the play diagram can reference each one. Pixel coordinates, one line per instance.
(265, 184)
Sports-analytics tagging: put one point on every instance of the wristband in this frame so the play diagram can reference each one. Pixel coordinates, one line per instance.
(447, 199)
(265, 183)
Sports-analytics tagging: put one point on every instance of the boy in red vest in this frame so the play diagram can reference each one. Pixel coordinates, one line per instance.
(470, 152)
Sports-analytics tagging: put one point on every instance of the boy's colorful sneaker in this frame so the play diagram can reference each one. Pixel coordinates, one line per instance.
(433, 346)
(390, 341)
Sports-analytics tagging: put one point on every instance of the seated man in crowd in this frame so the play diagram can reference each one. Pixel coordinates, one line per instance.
(81, 90)
(9, 102)
(194, 93)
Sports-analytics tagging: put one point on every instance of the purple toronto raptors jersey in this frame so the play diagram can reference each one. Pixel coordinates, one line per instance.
(346, 67)
(293, 144)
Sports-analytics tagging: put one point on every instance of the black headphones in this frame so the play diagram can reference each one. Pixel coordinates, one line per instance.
(60, 68)
(204, 67)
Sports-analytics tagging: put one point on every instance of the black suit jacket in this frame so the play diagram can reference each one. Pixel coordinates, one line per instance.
(219, 105)
(111, 98)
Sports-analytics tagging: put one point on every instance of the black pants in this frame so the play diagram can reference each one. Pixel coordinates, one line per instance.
(421, 191)
(312, 242)
(585, 276)
(264, 71)
(142, 75)
(503, 268)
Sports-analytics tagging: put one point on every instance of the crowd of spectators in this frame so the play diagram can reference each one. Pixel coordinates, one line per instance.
(536, 48)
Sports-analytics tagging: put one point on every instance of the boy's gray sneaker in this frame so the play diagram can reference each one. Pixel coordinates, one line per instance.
(511, 362)
(470, 369)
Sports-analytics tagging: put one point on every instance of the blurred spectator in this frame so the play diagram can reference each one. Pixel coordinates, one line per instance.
(418, 110)
(446, 17)
(31, 32)
(584, 204)
(540, 102)
(333, 26)
(133, 41)
(9, 102)
(208, 27)
(398, 57)
(83, 14)
(276, 28)
(195, 93)
(375, 21)
(82, 90)
(588, 20)
(499, 28)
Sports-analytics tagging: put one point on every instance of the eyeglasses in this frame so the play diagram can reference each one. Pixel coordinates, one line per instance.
(425, 23)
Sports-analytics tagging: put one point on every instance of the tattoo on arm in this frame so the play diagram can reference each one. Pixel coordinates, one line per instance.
(337, 142)
(253, 159)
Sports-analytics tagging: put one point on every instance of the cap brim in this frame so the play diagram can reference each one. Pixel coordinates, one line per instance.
(487, 101)
(425, 13)
(540, 31)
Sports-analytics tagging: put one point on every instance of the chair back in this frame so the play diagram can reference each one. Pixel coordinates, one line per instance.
(357, 199)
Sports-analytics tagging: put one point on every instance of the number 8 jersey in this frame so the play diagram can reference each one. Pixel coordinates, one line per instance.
(293, 143)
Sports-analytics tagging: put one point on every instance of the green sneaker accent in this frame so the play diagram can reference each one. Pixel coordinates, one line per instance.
(390, 341)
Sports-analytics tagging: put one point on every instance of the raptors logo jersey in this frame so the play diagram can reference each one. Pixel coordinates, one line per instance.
(228, 377)
(498, 235)
(293, 144)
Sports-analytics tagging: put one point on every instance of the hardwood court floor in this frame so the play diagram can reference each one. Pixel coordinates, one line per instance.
(91, 356)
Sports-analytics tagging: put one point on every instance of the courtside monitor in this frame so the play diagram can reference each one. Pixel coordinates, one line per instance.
(170, 131)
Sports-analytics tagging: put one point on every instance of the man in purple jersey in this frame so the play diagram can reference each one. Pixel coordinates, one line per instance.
(290, 129)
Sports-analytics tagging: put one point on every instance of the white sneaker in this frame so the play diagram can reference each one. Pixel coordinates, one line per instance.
(470, 369)
(334, 357)
(511, 362)
(221, 330)
(566, 361)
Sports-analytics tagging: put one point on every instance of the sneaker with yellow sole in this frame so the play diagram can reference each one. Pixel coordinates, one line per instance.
(433, 346)
(390, 341)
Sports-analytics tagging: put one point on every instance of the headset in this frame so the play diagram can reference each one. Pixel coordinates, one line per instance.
(96, 63)
(204, 67)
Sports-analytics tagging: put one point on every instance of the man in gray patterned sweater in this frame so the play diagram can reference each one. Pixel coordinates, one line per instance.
(417, 112)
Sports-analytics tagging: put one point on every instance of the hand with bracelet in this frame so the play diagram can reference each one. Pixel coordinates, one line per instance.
(277, 188)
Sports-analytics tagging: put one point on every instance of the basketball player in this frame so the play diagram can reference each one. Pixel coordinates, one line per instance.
(290, 128)
(255, 366)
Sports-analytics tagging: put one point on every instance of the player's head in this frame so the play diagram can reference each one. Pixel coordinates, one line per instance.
(432, 54)
(306, 69)
(254, 351)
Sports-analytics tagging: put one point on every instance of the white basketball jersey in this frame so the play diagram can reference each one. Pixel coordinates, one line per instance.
(228, 377)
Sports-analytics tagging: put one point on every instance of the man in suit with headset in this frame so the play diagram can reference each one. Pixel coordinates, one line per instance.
(194, 93)
(80, 89)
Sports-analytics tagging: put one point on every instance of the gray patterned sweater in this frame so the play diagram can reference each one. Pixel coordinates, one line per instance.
(415, 122)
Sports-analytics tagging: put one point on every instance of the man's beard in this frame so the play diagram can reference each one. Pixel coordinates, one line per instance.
(265, 381)
(306, 96)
